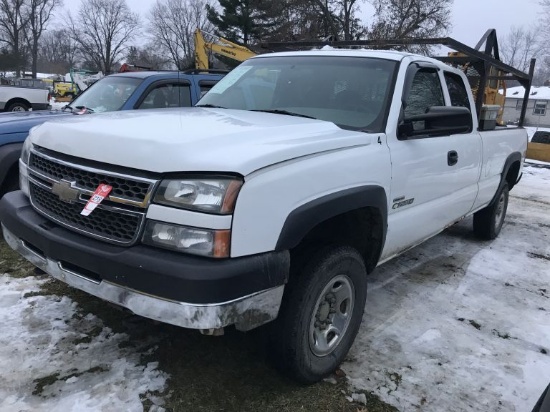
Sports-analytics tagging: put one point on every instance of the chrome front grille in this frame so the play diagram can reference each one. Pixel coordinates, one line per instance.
(122, 187)
(118, 219)
(108, 224)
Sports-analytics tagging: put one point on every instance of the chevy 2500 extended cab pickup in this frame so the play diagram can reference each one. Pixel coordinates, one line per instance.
(298, 174)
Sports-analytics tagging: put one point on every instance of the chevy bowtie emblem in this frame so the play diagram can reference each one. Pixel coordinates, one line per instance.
(65, 191)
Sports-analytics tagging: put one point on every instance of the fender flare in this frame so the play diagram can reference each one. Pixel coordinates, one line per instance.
(9, 156)
(510, 160)
(303, 219)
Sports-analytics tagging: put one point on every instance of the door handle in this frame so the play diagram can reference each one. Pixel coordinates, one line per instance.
(452, 158)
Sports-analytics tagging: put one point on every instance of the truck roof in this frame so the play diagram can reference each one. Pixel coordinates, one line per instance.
(376, 54)
(331, 51)
(164, 74)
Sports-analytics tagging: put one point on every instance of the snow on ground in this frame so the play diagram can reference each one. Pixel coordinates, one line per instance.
(55, 359)
(458, 324)
(57, 105)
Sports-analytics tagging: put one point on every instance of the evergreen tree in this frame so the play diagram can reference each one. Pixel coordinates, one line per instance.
(245, 21)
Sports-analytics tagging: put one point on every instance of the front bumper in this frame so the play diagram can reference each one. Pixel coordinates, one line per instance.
(170, 287)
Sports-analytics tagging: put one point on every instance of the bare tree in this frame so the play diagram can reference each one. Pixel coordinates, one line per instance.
(147, 56)
(542, 73)
(58, 52)
(172, 24)
(306, 20)
(13, 23)
(395, 19)
(103, 29)
(543, 20)
(339, 16)
(520, 45)
(402, 19)
(39, 13)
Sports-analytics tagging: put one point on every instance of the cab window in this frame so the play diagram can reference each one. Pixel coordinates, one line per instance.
(425, 92)
(457, 90)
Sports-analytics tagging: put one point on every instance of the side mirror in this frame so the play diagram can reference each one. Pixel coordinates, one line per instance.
(437, 121)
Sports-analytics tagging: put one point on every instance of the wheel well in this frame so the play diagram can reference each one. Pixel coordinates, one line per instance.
(512, 175)
(17, 100)
(11, 175)
(361, 229)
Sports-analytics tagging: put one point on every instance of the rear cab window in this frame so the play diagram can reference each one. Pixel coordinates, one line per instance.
(457, 90)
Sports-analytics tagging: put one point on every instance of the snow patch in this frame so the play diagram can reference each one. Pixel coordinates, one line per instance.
(457, 324)
(45, 368)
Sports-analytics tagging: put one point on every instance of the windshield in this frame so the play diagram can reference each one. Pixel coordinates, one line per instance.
(348, 91)
(107, 94)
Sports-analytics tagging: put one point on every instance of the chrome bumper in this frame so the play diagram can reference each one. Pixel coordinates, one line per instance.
(245, 313)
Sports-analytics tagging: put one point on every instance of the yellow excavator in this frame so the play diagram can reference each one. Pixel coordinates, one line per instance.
(220, 46)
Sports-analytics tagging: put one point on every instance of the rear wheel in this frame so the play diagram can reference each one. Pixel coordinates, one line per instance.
(18, 107)
(320, 314)
(488, 222)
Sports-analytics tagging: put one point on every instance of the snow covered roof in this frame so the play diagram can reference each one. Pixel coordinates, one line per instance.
(536, 92)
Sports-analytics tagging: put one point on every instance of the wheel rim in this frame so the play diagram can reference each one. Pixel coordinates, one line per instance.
(499, 212)
(331, 316)
(18, 109)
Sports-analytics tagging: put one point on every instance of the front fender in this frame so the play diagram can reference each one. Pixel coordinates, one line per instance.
(303, 219)
(278, 205)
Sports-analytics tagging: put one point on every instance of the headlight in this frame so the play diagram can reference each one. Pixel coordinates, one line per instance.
(204, 242)
(26, 151)
(215, 195)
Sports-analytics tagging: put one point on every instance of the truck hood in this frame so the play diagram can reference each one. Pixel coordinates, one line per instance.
(194, 139)
(19, 122)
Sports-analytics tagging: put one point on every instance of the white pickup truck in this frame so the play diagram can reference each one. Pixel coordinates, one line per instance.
(298, 174)
(19, 99)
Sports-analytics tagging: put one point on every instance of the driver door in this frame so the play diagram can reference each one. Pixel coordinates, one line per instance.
(434, 179)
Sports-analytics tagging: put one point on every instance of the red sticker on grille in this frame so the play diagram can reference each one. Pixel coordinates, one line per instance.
(100, 193)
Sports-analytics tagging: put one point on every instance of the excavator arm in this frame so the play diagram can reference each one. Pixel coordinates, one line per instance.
(222, 47)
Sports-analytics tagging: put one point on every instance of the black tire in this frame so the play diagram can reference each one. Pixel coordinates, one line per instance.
(292, 344)
(488, 222)
(18, 107)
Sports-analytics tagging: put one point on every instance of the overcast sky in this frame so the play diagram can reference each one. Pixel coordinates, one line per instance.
(470, 18)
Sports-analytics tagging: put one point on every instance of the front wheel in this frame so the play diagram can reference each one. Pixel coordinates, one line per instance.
(320, 314)
(488, 222)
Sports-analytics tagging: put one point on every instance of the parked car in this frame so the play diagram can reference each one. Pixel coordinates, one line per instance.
(541, 136)
(20, 99)
(127, 91)
(298, 174)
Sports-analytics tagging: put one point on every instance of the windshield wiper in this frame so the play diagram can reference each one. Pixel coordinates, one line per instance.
(67, 106)
(84, 109)
(278, 111)
(212, 106)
